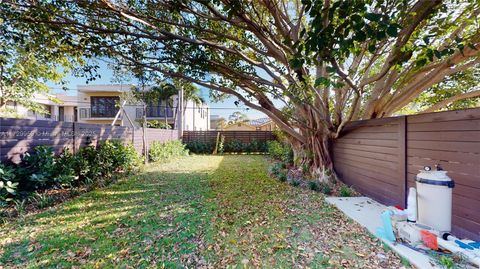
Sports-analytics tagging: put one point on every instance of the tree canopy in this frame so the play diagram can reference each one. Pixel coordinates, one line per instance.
(237, 117)
(26, 66)
(327, 62)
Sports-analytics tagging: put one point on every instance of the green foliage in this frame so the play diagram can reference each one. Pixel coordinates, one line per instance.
(8, 184)
(26, 66)
(446, 262)
(42, 200)
(280, 151)
(237, 117)
(166, 151)
(275, 168)
(456, 84)
(37, 169)
(345, 191)
(158, 124)
(232, 146)
(200, 147)
(314, 185)
(325, 188)
(41, 169)
(295, 182)
(221, 144)
(282, 175)
(204, 198)
(65, 169)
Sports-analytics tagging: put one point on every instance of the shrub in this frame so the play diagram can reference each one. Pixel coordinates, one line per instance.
(8, 184)
(282, 176)
(281, 152)
(41, 169)
(64, 171)
(275, 169)
(295, 182)
(314, 185)
(325, 188)
(37, 169)
(235, 146)
(165, 151)
(345, 191)
(200, 147)
(158, 125)
(86, 167)
(42, 200)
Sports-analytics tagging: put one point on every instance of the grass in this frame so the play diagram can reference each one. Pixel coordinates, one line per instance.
(199, 211)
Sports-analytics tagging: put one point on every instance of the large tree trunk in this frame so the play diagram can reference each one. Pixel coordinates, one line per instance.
(316, 154)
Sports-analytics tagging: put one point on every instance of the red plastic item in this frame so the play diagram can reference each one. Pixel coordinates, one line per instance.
(399, 207)
(429, 239)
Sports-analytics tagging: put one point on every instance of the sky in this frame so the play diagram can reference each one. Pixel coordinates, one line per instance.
(222, 109)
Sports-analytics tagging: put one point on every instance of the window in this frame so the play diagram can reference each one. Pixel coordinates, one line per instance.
(104, 106)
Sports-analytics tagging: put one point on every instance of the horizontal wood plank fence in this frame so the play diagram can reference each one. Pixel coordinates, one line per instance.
(18, 136)
(381, 157)
(211, 136)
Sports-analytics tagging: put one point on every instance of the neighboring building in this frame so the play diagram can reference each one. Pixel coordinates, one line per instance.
(62, 109)
(214, 122)
(262, 124)
(99, 105)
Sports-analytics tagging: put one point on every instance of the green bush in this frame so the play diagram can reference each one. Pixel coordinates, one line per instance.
(314, 185)
(345, 191)
(200, 147)
(41, 169)
(279, 151)
(325, 188)
(158, 125)
(232, 146)
(282, 176)
(37, 170)
(8, 184)
(275, 169)
(166, 151)
(295, 182)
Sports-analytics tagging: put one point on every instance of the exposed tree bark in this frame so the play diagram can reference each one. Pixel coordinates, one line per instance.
(247, 50)
(446, 102)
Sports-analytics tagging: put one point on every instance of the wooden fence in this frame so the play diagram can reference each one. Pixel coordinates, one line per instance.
(18, 136)
(244, 136)
(381, 157)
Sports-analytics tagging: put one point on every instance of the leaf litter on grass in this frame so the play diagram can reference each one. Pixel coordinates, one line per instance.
(196, 212)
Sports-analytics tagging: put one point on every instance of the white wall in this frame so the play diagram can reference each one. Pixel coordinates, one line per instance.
(197, 117)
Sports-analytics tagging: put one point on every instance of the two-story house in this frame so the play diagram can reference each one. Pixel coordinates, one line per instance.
(101, 103)
(59, 107)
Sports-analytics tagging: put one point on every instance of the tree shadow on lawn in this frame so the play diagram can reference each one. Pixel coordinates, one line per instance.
(149, 219)
(200, 211)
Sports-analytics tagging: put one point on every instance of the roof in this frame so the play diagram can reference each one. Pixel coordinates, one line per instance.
(259, 122)
(104, 88)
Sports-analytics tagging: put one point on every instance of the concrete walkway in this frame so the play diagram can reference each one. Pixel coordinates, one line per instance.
(367, 213)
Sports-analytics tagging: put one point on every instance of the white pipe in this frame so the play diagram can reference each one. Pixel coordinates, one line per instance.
(412, 205)
(471, 256)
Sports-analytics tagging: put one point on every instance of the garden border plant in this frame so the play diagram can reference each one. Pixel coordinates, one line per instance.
(42, 173)
(283, 169)
(234, 146)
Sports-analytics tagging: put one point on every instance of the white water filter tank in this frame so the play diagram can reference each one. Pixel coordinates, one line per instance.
(434, 199)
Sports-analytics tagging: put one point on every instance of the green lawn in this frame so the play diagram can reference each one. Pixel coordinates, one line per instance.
(199, 211)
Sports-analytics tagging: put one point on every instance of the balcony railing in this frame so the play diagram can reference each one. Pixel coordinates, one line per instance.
(36, 116)
(94, 112)
(155, 112)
